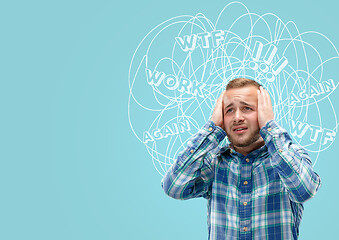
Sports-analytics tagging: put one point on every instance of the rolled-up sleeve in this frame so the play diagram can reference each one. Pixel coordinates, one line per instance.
(193, 171)
(291, 162)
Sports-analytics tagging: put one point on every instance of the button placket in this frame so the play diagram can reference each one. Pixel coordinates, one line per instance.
(245, 186)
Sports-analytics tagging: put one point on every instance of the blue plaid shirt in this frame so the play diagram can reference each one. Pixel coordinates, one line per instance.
(258, 196)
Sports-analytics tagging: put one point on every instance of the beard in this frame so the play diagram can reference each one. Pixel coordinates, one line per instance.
(244, 142)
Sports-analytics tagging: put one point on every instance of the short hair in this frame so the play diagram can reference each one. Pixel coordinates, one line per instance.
(241, 82)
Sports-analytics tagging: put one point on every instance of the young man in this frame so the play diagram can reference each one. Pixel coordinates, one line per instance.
(256, 185)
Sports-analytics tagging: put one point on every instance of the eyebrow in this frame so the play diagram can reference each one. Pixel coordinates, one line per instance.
(229, 105)
(243, 103)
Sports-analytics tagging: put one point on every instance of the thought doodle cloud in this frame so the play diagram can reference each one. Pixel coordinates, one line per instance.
(182, 65)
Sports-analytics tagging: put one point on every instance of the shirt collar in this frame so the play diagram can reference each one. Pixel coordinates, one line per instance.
(256, 153)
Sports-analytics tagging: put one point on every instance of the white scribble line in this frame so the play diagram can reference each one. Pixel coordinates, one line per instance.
(178, 84)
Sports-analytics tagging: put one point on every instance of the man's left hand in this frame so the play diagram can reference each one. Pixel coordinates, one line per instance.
(265, 109)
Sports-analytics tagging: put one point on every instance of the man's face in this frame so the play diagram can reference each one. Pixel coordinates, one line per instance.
(241, 117)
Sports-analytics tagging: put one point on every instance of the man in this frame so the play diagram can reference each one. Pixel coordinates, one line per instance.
(257, 184)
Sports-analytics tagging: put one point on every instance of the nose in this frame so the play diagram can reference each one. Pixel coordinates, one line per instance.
(238, 116)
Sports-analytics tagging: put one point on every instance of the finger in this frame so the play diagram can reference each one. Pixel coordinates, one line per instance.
(268, 98)
(269, 102)
(260, 97)
(222, 102)
(218, 100)
(218, 103)
(265, 97)
(221, 97)
(217, 115)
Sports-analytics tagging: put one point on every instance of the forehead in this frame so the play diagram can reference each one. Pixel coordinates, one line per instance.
(241, 95)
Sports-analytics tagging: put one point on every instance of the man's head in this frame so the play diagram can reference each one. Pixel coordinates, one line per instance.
(240, 109)
(242, 82)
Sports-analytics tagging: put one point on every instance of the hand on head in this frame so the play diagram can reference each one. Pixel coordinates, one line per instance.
(265, 109)
(218, 113)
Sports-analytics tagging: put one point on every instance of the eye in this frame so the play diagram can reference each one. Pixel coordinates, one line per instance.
(247, 108)
(229, 110)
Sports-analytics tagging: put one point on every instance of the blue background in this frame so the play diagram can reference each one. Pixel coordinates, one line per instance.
(71, 168)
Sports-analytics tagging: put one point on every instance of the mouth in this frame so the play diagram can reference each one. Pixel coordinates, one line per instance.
(240, 129)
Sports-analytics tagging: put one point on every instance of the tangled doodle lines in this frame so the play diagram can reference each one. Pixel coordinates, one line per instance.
(181, 66)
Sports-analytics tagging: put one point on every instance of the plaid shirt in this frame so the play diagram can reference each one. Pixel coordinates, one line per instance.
(258, 196)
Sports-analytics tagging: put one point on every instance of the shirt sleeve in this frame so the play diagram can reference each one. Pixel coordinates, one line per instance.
(292, 163)
(193, 172)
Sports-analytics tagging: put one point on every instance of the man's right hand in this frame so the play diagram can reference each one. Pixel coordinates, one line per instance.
(218, 112)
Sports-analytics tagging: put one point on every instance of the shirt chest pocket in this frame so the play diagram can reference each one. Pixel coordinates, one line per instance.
(266, 181)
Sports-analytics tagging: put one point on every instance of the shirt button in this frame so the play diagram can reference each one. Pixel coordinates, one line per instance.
(192, 151)
(269, 129)
(210, 129)
(280, 150)
(245, 229)
(247, 160)
(245, 182)
(245, 203)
